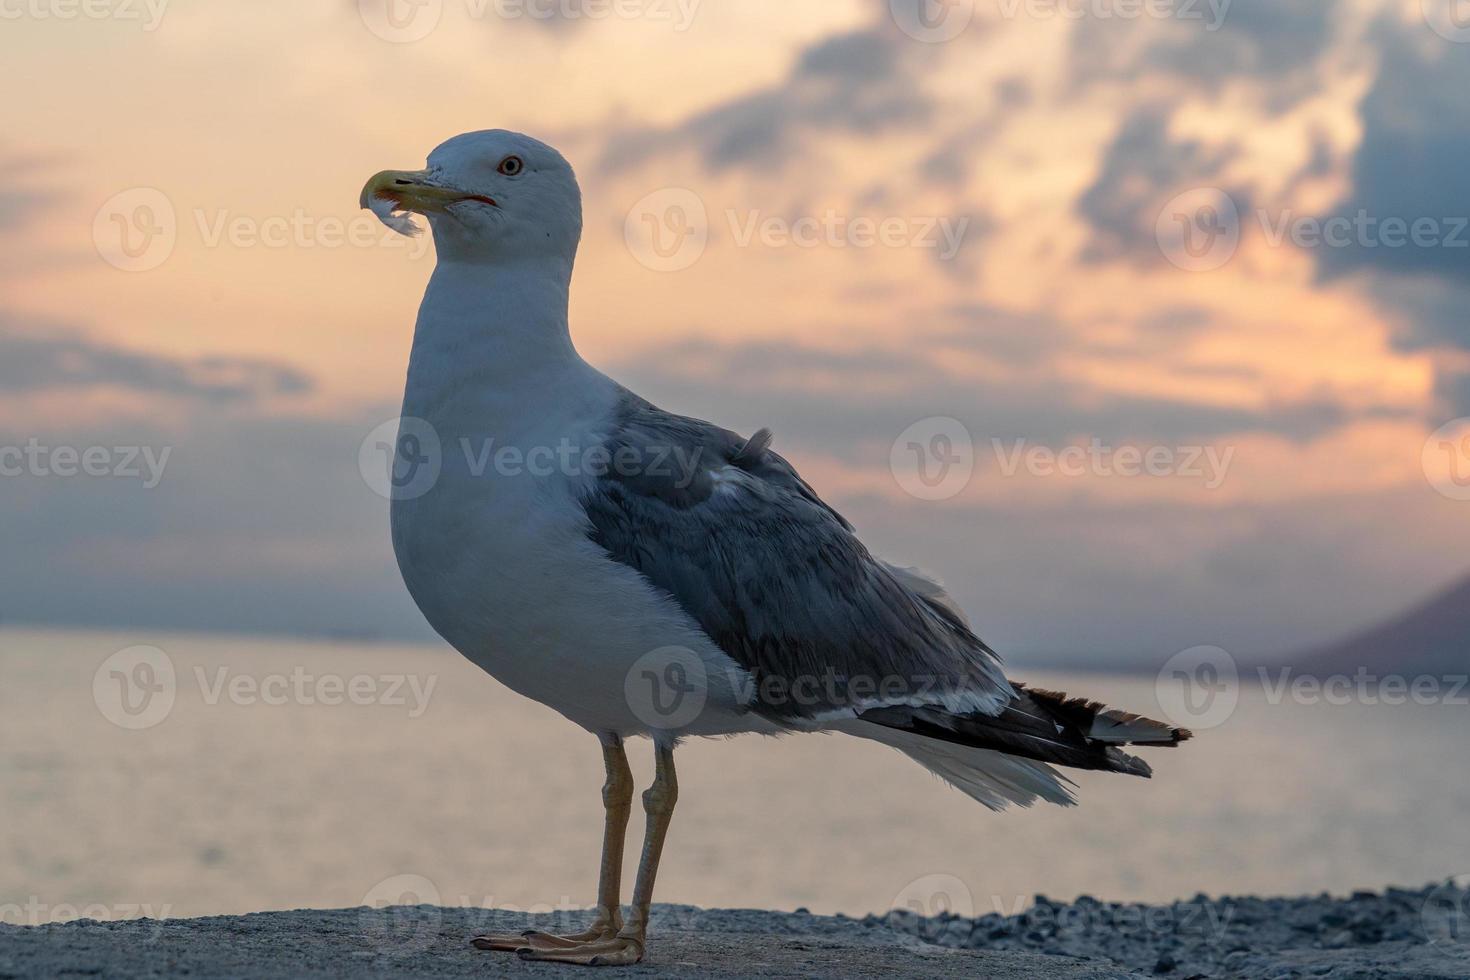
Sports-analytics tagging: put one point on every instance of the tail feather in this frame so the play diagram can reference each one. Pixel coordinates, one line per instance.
(994, 779)
(1042, 726)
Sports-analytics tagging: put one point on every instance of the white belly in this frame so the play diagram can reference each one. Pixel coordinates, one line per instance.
(500, 563)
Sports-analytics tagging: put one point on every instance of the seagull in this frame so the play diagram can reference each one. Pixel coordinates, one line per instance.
(650, 574)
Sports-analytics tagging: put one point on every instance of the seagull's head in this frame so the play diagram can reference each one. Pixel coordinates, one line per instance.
(491, 196)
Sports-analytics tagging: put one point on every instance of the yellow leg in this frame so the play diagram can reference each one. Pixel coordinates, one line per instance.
(628, 944)
(617, 800)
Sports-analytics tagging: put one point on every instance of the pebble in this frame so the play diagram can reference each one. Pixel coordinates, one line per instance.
(1364, 936)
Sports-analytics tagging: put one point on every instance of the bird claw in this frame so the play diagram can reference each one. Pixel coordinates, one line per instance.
(611, 951)
(536, 940)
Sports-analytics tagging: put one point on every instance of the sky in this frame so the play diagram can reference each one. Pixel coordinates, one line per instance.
(1139, 322)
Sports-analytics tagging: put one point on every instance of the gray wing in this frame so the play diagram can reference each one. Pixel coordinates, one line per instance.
(775, 577)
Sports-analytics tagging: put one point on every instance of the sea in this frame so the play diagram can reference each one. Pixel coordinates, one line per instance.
(166, 774)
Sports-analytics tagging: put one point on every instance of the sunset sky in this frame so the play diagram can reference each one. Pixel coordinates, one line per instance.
(1097, 231)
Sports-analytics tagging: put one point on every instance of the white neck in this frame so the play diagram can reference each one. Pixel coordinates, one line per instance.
(491, 324)
(492, 351)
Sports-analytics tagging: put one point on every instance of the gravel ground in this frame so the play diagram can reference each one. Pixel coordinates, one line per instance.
(426, 941)
(1421, 934)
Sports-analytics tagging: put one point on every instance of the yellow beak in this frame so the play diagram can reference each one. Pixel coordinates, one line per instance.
(410, 190)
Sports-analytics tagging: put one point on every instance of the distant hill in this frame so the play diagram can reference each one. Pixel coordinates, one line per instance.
(1433, 639)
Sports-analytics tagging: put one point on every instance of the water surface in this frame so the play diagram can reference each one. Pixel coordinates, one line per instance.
(478, 796)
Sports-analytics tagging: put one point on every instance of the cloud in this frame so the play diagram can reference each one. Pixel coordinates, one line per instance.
(837, 402)
(1141, 170)
(1095, 583)
(949, 163)
(20, 199)
(1276, 46)
(859, 82)
(33, 360)
(263, 521)
(24, 199)
(260, 523)
(1410, 167)
(1411, 162)
(1262, 40)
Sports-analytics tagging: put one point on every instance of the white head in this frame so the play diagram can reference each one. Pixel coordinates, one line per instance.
(494, 196)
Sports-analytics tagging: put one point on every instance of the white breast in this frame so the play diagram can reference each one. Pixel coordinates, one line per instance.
(497, 556)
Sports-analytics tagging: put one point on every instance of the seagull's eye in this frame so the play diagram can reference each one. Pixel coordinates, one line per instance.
(511, 166)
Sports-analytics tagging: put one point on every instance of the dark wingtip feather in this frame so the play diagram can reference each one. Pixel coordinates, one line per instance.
(1086, 714)
(1129, 765)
